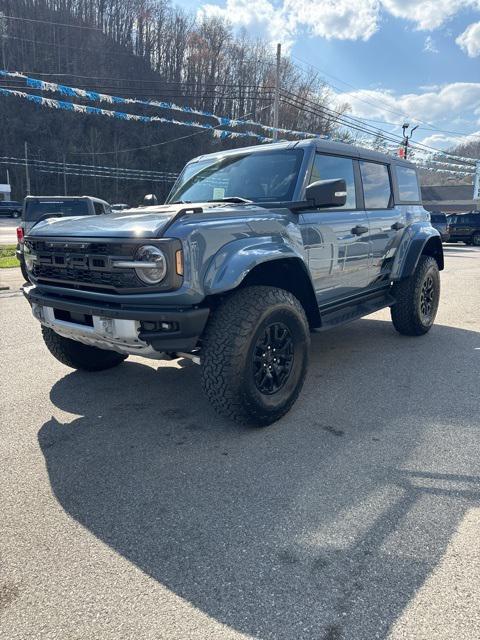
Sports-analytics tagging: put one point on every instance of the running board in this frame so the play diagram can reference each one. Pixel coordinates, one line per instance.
(347, 312)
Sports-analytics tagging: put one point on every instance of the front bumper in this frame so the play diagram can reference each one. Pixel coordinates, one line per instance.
(148, 331)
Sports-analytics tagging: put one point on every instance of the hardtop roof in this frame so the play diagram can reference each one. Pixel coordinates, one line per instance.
(61, 198)
(322, 146)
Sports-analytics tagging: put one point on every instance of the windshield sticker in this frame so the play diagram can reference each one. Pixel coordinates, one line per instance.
(218, 193)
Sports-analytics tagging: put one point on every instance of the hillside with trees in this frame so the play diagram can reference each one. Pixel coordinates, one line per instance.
(146, 49)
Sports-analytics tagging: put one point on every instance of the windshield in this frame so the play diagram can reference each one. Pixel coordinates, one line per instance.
(34, 210)
(261, 177)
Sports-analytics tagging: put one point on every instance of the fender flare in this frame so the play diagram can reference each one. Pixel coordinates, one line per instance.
(231, 264)
(417, 240)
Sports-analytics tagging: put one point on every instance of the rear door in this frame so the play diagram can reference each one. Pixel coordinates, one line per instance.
(386, 221)
(337, 239)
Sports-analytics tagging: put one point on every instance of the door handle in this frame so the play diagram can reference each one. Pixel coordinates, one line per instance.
(359, 229)
(397, 226)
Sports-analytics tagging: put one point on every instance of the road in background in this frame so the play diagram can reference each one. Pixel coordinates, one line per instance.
(8, 230)
(130, 510)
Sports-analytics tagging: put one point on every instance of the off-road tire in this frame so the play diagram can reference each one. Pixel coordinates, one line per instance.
(230, 347)
(80, 356)
(406, 313)
(476, 239)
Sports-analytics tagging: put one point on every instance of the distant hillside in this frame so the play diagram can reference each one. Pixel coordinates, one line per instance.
(141, 48)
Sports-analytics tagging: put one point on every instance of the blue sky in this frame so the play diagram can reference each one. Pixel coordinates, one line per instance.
(415, 57)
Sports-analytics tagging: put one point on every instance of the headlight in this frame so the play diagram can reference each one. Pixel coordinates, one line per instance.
(155, 268)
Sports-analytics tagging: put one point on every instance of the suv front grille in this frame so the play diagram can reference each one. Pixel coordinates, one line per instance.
(84, 265)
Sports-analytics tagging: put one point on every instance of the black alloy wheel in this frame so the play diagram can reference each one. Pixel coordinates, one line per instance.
(273, 358)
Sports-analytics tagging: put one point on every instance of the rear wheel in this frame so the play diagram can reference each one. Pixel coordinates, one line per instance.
(15, 214)
(80, 356)
(476, 239)
(417, 298)
(255, 355)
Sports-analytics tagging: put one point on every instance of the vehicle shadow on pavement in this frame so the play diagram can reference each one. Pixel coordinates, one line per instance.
(324, 525)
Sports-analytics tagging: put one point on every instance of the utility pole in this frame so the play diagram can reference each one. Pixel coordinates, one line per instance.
(3, 36)
(406, 138)
(64, 177)
(27, 172)
(276, 103)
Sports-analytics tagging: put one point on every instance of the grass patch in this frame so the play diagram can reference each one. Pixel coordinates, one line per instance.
(7, 256)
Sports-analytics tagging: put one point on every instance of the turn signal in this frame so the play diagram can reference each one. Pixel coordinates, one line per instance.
(179, 262)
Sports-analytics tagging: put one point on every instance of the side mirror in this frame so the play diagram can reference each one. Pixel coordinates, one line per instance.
(149, 200)
(327, 193)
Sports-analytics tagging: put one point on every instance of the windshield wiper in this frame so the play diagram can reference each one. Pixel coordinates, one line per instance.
(181, 202)
(233, 199)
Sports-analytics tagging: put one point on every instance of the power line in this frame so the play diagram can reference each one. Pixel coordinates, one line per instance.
(176, 82)
(45, 164)
(58, 24)
(338, 119)
(132, 94)
(429, 127)
(365, 128)
(161, 144)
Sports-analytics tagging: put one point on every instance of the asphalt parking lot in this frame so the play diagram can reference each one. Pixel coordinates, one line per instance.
(130, 510)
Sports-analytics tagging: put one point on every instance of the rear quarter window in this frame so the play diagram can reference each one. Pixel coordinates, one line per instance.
(408, 189)
(377, 190)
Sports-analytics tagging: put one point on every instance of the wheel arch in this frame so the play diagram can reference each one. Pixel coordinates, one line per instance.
(266, 263)
(425, 241)
(289, 274)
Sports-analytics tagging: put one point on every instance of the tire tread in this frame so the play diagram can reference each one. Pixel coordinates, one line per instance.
(226, 337)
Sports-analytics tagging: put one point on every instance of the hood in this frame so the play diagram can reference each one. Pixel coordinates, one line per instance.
(142, 222)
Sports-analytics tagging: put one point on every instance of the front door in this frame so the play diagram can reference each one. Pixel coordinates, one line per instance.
(337, 239)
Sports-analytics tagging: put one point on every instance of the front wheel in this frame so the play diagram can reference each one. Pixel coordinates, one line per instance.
(417, 298)
(476, 239)
(78, 355)
(15, 214)
(255, 355)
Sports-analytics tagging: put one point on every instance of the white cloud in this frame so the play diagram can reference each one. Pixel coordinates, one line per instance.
(469, 40)
(284, 20)
(429, 45)
(445, 141)
(440, 104)
(341, 19)
(428, 14)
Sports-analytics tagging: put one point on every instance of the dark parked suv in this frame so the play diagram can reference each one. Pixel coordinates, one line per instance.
(440, 223)
(255, 248)
(10, 208)
(465, 228)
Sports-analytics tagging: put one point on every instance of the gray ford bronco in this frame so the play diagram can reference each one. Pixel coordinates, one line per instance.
(254, 249)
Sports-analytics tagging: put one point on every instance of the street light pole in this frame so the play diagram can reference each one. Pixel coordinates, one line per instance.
(406, 138)
(64, 177)
(276, 103)
(27, 171)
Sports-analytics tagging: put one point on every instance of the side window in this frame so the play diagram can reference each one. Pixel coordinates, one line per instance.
(98, 206)
(376, 185)
(334, 167)
(407, 184)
